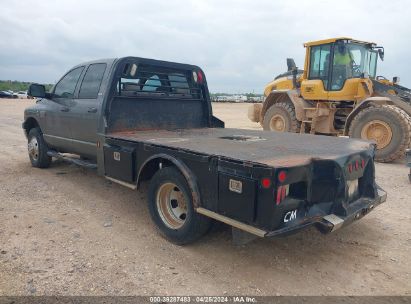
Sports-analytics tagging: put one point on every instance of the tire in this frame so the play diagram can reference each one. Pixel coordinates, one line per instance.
(172, 211)
(37, 149)
(393, 127)
(281, 117)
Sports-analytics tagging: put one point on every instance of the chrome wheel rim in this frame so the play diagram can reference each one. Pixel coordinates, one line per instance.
(171, 205)
(277, 123)
(33, 148)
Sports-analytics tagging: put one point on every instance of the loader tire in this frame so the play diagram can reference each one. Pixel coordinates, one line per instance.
(281, 117)
(389, 126)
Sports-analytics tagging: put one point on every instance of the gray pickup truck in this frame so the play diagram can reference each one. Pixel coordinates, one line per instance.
(138, 119)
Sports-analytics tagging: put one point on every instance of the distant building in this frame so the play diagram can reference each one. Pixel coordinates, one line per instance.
(237, 98)
(256, 98)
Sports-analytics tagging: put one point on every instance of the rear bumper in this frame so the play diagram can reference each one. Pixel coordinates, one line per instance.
(332, 222)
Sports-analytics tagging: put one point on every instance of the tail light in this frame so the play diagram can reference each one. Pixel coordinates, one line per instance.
(282, 176)
(356, 165)
(282, 193)
(266, 183)
(198, 77)
(283, 190)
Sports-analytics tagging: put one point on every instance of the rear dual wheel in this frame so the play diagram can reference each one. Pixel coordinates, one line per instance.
(387, 125)
(171, 208)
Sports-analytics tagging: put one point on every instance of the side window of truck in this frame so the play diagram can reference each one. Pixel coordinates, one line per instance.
(67, 85)
(162, 82)
(92, 81)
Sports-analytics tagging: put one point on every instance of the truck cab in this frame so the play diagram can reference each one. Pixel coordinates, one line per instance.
(69, 114)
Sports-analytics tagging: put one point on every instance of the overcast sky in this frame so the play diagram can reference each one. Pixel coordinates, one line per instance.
(241, 45)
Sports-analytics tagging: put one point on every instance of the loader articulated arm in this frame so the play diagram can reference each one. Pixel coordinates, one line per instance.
(394, 92)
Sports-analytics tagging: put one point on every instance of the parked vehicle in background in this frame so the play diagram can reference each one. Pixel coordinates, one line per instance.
(4, 94)
(14, 95)
(7, 94)
(138, 120)
(22, 94)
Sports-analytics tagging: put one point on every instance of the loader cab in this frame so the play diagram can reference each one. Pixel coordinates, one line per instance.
(339, 69)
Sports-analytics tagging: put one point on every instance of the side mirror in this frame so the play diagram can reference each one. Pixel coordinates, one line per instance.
(396, 79)
(381, 54)
(37, 90)
(291, 64)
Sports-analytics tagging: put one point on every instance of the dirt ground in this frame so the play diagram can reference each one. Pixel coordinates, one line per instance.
(66, 231)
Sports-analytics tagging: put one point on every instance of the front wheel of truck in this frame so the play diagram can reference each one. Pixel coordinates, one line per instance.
(171, 208)
(37, 149)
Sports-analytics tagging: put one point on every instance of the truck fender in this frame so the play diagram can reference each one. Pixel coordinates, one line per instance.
(285, 96)
(364, 104)
(164, 158)
(29, 124)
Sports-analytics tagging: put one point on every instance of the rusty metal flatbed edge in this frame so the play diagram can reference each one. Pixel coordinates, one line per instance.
(274, 149)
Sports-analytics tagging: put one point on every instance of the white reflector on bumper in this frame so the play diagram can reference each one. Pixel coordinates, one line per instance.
(352, 189)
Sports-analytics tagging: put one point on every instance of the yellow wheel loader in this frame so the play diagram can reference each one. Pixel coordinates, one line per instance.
(339, 93)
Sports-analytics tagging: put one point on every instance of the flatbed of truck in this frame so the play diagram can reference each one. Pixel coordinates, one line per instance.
(263, 147)
(151, 120)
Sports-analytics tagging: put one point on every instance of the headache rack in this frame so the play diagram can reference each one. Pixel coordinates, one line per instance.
(144, 80)
(157, 96)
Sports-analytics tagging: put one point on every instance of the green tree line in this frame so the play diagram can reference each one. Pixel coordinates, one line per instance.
(16, 86)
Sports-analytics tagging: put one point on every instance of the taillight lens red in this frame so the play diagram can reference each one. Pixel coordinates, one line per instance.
(282, 176)
(282, 192)
(356, 165)
(266, 183)
(200, 77)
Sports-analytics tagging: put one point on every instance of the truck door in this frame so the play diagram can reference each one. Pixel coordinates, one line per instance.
(316, 86)
(86, 110)
(56, 130)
